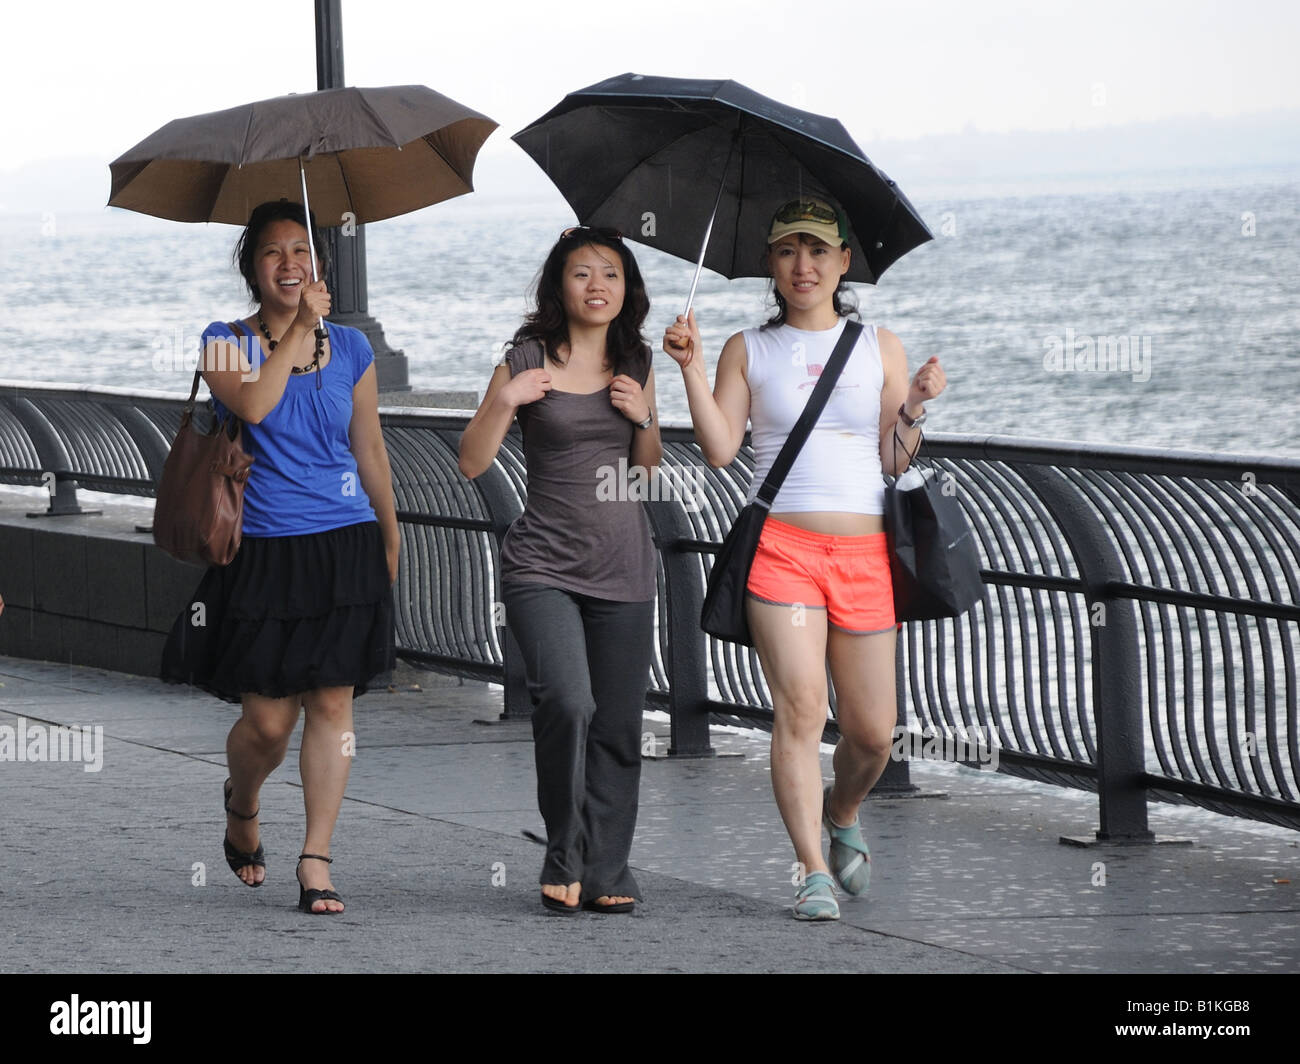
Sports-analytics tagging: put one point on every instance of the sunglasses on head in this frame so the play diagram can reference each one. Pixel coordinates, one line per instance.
(804, 211)
(604, 232)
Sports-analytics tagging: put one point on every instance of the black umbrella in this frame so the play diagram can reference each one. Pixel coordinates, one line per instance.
(664, 160)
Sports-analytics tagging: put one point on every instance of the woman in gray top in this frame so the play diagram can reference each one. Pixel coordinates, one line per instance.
(578, 568)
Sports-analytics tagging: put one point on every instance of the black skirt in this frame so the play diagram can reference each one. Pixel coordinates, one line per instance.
(289, 614)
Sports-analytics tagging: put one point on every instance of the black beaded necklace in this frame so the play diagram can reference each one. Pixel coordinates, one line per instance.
(314, 364)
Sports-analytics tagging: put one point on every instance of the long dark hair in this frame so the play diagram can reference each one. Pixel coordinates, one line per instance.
(843, 299)
(262, 216)
(625, 348)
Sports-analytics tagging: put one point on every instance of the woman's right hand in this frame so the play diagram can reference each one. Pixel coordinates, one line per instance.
(526, 387)
(313, 304)
(682, 339)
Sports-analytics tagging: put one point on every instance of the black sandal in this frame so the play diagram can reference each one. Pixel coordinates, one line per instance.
(237, 859)
(593, 906)
(558, 906)
(308, 898)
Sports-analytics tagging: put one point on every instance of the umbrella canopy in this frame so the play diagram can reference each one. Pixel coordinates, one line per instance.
(376, 152)
(651, 157)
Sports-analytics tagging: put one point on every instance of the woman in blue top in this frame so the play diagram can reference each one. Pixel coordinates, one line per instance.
(303, 615)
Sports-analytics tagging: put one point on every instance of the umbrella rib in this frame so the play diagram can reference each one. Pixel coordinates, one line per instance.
(243, 148)
(735, 229)
(216, 195)
(347, 185)
(445, 161)
(379, 120)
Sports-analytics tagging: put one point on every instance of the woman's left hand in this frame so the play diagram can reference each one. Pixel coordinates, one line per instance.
(391, 555)
(929, 381)
(628, 399)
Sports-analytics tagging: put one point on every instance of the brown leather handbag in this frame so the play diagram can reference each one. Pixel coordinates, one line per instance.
(199, 511)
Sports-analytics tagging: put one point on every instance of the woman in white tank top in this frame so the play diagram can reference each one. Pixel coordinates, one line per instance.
(820, 590)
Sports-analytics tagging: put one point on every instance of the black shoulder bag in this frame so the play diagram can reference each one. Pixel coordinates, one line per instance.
(723, 616)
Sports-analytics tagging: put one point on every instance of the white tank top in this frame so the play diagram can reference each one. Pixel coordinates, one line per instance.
(838, 469)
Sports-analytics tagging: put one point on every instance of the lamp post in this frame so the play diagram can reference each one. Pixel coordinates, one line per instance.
(345, 239)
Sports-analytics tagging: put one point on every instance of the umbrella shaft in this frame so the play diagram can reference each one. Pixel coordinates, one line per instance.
(311, 240)
(690, 299)
(708, 230)
(306, 211)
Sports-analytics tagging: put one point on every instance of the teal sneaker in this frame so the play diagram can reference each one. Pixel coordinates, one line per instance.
(815, 900)
(849, 857)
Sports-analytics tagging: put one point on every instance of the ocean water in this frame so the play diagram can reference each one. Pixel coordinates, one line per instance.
(1148, 311)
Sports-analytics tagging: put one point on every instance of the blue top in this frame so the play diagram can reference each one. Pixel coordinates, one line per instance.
(304, 477)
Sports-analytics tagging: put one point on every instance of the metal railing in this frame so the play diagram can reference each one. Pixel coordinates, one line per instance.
(1138, 635)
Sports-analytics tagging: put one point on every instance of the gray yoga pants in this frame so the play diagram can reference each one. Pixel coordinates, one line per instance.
(588, 665)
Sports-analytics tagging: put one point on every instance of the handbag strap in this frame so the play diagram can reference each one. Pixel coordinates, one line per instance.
(233, 326)
(811, 412)
(911, 458)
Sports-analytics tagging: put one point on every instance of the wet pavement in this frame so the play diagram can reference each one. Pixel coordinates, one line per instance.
(121, 869)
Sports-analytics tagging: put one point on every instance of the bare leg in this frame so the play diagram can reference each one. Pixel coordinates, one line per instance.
(862, 669)
(254, 748)
(326, 760)
(792, 649)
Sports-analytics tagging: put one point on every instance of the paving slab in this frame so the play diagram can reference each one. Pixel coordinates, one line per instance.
(121, 869)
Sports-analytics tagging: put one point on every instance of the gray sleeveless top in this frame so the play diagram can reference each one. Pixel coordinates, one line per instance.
(582, 529)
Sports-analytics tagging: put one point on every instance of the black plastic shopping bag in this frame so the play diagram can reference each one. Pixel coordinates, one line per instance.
(932, 554)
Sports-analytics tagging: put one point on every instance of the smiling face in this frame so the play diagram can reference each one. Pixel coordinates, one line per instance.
(282, 263)
(593, 286)
(806, 270)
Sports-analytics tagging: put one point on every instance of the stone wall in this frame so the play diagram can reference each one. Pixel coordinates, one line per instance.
(87, 589)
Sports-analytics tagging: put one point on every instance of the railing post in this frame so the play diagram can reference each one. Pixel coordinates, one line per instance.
(896, 780)
(53, 456)
(686, 664)
(1116, 665)
(145, 435)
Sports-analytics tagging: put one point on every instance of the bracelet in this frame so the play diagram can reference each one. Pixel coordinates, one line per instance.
(649, 420)
(911, 423)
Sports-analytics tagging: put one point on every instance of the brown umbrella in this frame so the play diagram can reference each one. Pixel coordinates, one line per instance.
(376, 153)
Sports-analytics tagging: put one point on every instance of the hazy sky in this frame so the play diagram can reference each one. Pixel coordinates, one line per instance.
(92, 79)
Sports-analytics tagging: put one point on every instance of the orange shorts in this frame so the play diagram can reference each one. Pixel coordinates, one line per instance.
(848, 576)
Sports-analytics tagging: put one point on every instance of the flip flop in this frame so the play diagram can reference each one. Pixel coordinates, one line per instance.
(559, 907)
(618, 907)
